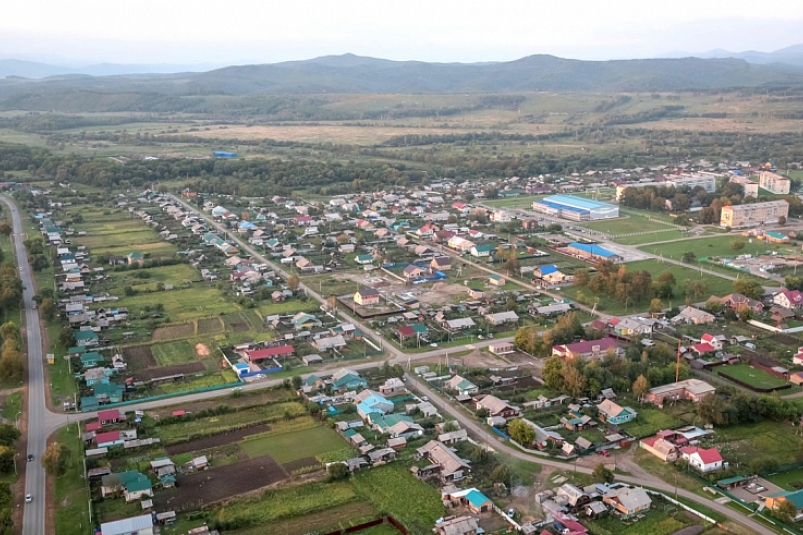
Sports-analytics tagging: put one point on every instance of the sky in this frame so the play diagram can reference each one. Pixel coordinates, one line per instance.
(266, 31)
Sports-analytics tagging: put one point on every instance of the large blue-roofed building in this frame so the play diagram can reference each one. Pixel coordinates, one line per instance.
(575, 208)
(592, 252)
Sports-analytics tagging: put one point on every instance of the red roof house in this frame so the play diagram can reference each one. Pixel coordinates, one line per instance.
(270, 352)
(704, 460)
(105, 438)
(92, 426)
(111, 416)
(587, 349)
(703, 348)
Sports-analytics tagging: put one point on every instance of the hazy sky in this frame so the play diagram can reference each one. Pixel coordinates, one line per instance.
(231, 31)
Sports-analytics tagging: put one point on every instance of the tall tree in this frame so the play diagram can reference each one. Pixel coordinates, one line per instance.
(54, 459)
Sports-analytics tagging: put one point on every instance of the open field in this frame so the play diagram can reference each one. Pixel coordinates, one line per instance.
(172, 353)
(341, 517)
(773, 441)
(71, 492)
(215, 441)
(145, 280)
(715, 246)
(629, 224)
(296, 445)
(183, 304)
(791, 480)
(752, 376)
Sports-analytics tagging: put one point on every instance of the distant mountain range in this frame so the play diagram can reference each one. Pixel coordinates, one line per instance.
(348, 73)
(34, 69)
(792, 55)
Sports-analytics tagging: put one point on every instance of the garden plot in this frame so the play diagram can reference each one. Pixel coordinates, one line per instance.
(139, 358)
(215, 441)
(204, 488)
(174, 332)
(210, 326)
(173, 353)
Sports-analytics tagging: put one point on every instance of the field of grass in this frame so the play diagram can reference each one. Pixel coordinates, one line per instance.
(771, 440)
(172, 353)
(662, 519)
(183, 304)
(287, 307)
(651, 420)
(393, 489)
(523, 201)
(791, 480)
(217, 424)
(71, 492)
(715, 246)
(752, 376)
(340, 517)
(629, 224)
(12, 405)
(660, 236)
(145, 280)
(294, 446)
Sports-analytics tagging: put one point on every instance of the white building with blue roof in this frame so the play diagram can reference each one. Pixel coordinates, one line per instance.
(575, 208)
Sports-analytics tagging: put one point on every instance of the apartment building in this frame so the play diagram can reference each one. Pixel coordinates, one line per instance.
(750, 187)
(751, 215)
(773, 183)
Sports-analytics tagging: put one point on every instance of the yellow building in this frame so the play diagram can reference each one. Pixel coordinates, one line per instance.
(751, 215)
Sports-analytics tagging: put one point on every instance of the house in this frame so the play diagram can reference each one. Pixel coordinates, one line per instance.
(366, 296)
(500, 318)
(774, 501)
(445, 463)
(501, 348)
(345, 379)
(86, 338)
(135, 259)
(163, 467)
(459, 525)
(453, 437)
(416, 329)
(462, 386)
(473, 499)
(592, 349)
(329, 342)
(269, 353)
(613, 413)
(405, 429)
(496, 280)
(303, 321)
(660, 447)
(111, 416)
(497, 408)
(695, 316)
(482, 251)
(548, 276)
(440, 263)
(576, 498)
(791, 299)
(141, 525)
(715, 341)
(780, 315)
(628, 501)
(364, 259)
(703, 460)
(458, 324)
(374, 403)
(133, 484)
(392, 386)
(382, 455)
(413, 271)
(691, 389)
(737, 301)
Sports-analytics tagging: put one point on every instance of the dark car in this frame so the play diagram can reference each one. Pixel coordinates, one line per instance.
(30, 457)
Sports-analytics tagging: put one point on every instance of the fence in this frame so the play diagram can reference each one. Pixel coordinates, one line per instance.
(163, 396)
(262, 372)
(683, 506)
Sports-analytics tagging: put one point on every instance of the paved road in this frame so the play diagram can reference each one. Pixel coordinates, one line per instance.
(42, 422)
(33, 518)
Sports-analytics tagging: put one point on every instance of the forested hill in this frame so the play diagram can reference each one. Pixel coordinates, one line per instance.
(354, 74)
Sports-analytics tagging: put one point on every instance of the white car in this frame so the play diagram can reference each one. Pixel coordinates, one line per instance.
(28, 498)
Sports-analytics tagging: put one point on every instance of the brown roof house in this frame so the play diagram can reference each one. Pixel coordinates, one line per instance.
(446, 465)
(366, 296)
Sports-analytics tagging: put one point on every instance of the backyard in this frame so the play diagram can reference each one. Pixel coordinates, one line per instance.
(754, 377)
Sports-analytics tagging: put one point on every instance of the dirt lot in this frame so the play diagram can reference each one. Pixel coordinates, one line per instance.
(433, 293)
(217, 440)
(139, 358)
(204, 488)
(174, 332)
(192, 367)
(202, 350)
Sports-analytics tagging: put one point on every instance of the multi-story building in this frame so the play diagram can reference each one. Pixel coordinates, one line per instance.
(751, 215)
(707, 181)
(750, 187)
(773, 183)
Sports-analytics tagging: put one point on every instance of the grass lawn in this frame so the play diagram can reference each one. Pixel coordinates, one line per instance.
(752, 376)
(629, 225)
(145, 280)
(71, 492)
(12, 406)
(772, 440)
(287, 307)
(662, 519)
(184, 304)
(663, 235)
(792, 480)
(393, 489)
(294, 446)
(171, 353)
(715, 246)
(651, 420)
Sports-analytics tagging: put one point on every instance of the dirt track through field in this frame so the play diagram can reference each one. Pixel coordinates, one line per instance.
(216, 440)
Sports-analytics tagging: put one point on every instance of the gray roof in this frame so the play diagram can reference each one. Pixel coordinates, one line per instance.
(127, 525)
